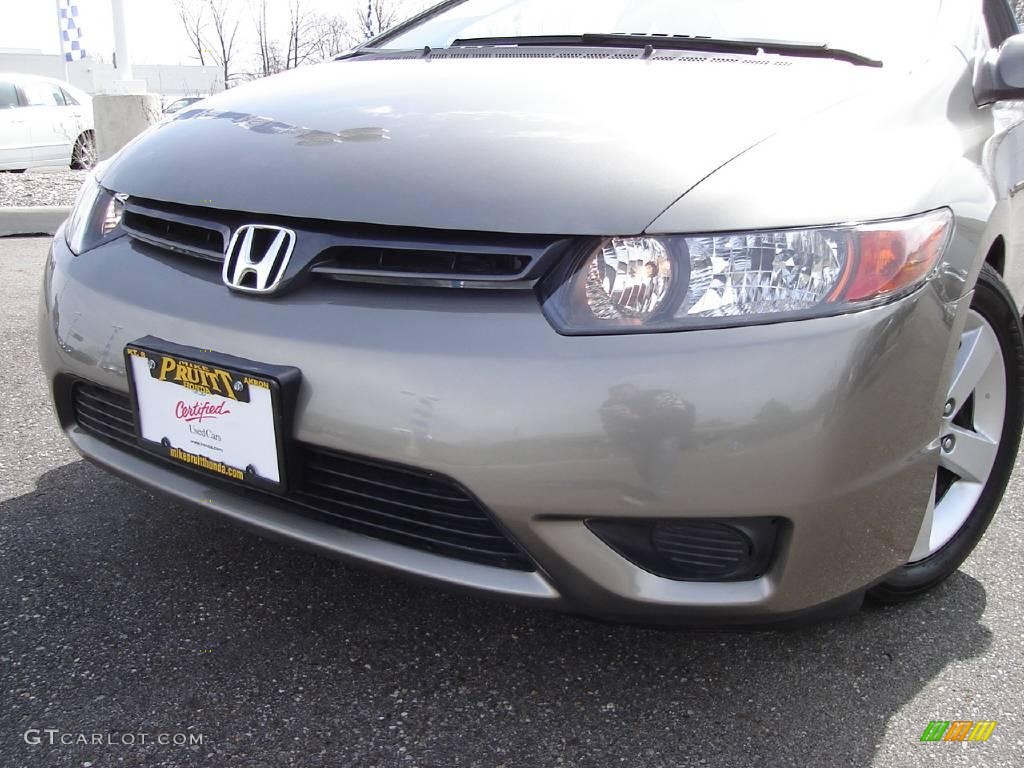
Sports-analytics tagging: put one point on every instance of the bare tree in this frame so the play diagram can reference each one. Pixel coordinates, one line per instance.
(309, 37)
(313, 37)
(333, 36)
(299, 30)
(225, 33)
(376, 16)
(269, 62)
(191, 15)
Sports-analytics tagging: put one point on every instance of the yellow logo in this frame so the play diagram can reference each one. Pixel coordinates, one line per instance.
(197, 377)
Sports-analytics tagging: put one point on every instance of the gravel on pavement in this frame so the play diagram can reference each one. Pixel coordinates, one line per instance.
(38, 188)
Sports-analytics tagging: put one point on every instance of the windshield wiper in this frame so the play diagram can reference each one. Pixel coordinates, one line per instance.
(676, 42)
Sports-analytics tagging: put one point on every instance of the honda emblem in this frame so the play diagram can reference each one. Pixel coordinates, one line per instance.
(257, 258)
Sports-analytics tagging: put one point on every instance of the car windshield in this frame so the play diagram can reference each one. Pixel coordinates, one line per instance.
(879, 28)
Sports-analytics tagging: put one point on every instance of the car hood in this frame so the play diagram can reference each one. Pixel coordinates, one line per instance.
(545, 145)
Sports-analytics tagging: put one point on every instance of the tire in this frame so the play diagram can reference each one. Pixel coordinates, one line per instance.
(83, 156)
(992, 301)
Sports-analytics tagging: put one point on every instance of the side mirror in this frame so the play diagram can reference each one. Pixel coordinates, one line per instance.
(1001, 75)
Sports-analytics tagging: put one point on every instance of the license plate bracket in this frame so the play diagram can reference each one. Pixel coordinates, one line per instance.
(220, 415)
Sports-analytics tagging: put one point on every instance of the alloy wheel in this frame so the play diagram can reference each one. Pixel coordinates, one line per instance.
(85, 152)
(972, 423)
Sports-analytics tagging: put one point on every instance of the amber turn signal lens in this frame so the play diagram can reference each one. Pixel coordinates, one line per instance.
(892, 259)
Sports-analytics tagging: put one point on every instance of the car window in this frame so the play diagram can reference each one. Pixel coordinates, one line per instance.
(68, 98)
(43, 95)
(1000, 21)
(8, 95)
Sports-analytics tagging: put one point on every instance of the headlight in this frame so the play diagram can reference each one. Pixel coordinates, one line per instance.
(95, 219)
(641, 284)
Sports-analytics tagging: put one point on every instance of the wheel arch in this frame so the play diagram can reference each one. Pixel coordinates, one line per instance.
(996, 257)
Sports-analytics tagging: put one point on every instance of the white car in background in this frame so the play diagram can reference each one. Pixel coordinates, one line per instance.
(44, 123)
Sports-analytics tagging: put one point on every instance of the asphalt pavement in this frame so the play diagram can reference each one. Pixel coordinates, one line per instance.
(123, 615)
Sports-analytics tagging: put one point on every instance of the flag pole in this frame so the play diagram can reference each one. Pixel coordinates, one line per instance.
(124, 57)
(60, 37)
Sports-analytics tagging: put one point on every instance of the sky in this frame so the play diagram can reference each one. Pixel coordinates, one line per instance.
(154, 30)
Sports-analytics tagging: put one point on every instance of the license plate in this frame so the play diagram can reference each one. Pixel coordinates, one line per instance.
(210, 412)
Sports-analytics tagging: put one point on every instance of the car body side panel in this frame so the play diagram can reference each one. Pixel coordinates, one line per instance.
(15, 139)
(52, 129)
(1005, 160)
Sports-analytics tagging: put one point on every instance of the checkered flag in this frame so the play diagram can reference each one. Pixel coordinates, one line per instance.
(70, 30)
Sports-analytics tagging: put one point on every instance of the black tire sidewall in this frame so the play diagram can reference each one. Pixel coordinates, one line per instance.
(992, 301)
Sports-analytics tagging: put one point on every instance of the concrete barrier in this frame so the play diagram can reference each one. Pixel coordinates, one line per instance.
(43, 220)
(121, 117)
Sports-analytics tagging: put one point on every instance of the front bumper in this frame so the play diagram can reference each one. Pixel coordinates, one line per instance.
(830, 424)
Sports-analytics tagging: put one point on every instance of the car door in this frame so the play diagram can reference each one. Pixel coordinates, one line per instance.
(79, 112)
(52, 122)
(1007, 159)
(15, 138)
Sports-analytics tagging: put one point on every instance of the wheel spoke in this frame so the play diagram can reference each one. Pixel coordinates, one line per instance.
(923, 547)
(978, 349)
(972, 457)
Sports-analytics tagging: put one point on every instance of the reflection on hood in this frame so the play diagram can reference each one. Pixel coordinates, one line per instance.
(307, 137)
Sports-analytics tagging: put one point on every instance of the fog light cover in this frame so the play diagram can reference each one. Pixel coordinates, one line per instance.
(694, 550)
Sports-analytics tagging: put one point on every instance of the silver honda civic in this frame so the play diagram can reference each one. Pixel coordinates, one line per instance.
(691, 311)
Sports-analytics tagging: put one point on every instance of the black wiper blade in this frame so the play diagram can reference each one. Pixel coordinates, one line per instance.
(676, 42)
(364, 51)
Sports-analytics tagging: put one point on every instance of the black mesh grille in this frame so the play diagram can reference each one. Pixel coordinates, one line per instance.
(176, 235)
(104, 413)
(357, 252)
(421, 262)
(408, 506)
(419, 509)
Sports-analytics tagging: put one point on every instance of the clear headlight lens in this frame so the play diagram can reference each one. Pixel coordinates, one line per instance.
(638, 284)
(95, 219)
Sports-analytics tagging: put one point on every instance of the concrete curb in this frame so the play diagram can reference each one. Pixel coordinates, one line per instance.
(41, 220)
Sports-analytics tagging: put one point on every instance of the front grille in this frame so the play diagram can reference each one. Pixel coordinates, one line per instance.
(174, 235)
(104, 413)
(410, 506)
(382, 260)
(357, 252)
(404, 505)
